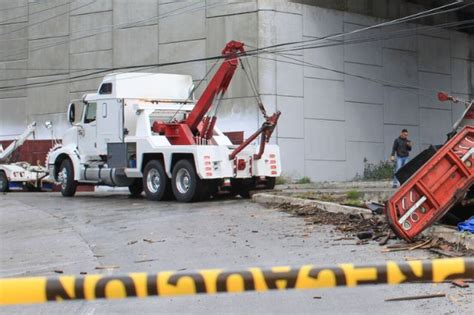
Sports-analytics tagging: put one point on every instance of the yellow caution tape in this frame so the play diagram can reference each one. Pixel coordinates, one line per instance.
(168, 283)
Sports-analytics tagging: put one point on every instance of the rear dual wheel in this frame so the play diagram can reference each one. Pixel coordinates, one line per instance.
(186, 184)
(155, 182)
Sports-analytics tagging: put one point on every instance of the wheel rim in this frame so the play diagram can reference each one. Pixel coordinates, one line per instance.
(62, 178)
(183, 181)
(153, 180)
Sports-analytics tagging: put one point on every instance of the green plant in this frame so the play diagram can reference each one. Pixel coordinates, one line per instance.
(281, 180)
(304, 180)
(354, 195)
(380, 171)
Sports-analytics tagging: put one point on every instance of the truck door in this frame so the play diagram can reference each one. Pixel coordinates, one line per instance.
(109, 124)
(87, 131)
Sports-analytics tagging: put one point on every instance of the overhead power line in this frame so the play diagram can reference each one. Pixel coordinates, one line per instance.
(252, 52)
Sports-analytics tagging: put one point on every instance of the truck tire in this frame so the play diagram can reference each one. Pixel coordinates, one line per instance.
(186, 184)
(3, 182)
(136, 188)
(242, 186)
(270, 184)
(154, 181)
(66, 178)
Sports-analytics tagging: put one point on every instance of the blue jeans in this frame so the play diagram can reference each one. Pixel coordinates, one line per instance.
(401, 161)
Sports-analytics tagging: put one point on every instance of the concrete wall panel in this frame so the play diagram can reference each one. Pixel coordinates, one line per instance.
(135, 46)
(135, 13)
(324, 99)
(292, 157)
(230, 7)
(289, 76)
(184, 51)
(400, 68)
(324, 140)
(401, 106)
(14, 42)
(362, 83)
(182, 21)
(91, 32)
(401, 36)
(364, 122)
(87, 6)
(319, 22)
(460, 76)
(434, 54)
(51, 54)
(324, 63)
(291, 123)
(47, 100)
(367, 52)
(48, 19)
(322, 171)
(358, 152)
(12, 118)
(459, 45)
(434, 125)
(13, 12)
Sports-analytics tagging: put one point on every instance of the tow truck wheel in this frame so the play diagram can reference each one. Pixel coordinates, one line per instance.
(154, 181)
(3, 182)
(187, 186)
(66, 179)
(242, 186)
(136, 188)
(270, 184)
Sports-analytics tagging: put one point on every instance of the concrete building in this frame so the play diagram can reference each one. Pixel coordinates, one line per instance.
(340, 104)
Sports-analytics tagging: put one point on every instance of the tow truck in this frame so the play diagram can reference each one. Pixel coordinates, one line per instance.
(21, 175)
(146, 131)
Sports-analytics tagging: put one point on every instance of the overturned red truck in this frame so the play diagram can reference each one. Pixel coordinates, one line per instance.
(436, 180)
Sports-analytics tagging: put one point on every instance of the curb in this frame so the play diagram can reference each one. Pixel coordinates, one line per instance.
(264, 198)
(451, 235)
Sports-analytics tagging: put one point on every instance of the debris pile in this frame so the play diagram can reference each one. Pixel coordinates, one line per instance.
(366, 227)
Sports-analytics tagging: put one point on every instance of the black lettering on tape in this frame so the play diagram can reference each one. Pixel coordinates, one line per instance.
(126, 281)
(55, 290)
(246, 276)
(338, 273)
(151, 285)
(199, 284)
(289, 277)
(410, 276)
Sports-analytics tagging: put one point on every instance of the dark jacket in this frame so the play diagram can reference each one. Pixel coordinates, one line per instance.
(401, 147)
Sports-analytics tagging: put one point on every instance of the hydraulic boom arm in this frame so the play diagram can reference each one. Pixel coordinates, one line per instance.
(4, 154)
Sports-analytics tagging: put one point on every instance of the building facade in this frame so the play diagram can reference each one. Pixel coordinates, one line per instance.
(343, 100)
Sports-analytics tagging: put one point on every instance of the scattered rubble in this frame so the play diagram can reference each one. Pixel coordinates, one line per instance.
(366, 227)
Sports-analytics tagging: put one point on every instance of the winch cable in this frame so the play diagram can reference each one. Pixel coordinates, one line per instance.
(253, 86)
(190, 95)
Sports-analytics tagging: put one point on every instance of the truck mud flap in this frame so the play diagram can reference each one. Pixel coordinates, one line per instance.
(434, 188)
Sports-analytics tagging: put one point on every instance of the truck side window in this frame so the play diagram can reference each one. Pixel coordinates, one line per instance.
(91, 112)
(105, 88)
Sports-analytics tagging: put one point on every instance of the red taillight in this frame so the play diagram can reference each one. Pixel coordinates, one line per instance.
(443, 97)
(241, 164)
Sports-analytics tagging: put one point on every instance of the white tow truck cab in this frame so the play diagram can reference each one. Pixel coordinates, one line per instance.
(141, 130)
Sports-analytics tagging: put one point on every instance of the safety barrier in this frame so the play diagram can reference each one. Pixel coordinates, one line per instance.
(168, 283)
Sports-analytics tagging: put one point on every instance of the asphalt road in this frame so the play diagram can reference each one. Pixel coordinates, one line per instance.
(43, 232)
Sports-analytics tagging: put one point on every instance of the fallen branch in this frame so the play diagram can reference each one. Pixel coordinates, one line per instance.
(416, 297)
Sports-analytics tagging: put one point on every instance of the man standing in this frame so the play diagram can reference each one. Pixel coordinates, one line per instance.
(401, 149)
